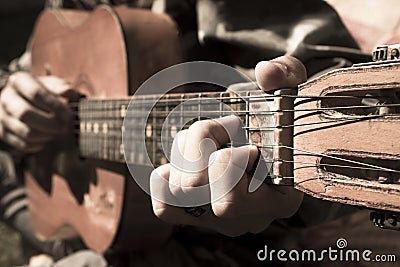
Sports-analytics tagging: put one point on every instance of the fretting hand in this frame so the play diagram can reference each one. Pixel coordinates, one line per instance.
(232, 211)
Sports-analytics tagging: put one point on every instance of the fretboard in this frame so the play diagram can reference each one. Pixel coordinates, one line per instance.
(103, 123)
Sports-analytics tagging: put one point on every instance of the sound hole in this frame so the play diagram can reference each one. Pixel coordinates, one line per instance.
(362, 103)
(367, 168)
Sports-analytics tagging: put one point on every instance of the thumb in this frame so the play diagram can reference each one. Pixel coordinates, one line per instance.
(59, 87)
(282, 72)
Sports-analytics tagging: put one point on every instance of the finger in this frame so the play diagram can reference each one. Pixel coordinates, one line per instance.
(19, 108)
(176, 161)
(159, 191)
(194, 148)
(228, 173)
(19, 143)
(202, 139)
(23, 131)
(37, 94)
(282, 72)
(59, 87)
(191, 150)
(229, 185)
(187, 172)
(162, 197)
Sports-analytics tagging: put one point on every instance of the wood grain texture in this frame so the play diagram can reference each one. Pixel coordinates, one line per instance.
(323, 132)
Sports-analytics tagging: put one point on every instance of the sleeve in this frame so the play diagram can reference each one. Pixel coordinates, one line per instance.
(184, 13)
(244, 34)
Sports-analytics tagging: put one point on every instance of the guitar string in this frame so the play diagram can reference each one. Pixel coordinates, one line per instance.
(248, 128)
(335, 158)
(306, 179)
(266, 128)
(313, 164)
(227, 95)
(193, 103)
(375, 167)
(232, 100)
(239, 112)
(185, 97)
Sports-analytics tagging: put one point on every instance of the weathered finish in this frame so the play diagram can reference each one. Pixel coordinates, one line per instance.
(368, 139)
(283, 136)
(90, 52)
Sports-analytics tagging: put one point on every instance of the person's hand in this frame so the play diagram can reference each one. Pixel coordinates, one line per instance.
(34, 110)
(198, 159)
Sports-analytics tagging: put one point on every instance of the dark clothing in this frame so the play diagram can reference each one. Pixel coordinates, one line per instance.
(240, 35)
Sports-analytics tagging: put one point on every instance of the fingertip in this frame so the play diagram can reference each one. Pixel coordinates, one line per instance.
(284, 71)
(269, 75)
(56, 86)
(162, 171)
(15, 78)
(159, 178)
(295, 70)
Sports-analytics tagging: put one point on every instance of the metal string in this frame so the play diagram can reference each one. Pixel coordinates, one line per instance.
(369, 166)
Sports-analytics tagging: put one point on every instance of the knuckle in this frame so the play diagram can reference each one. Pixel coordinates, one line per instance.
(192, 181)
(221, 156)
(205, 127)
(35, 93)
(15, 77)
(176, 191)
(22, 113)
(5, 96)
(26, 132)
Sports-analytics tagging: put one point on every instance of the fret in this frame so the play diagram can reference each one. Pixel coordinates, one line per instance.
(122, 110)
(89, 127)
(115, 112)
(118, 130)
(181, 120)
(102, 121)
(139, 115)
(166, 134)
(221, 105)
(106, 150)
(154, 136)
(199, 107)
(247, 119)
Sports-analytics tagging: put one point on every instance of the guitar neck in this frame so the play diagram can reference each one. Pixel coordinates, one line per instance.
(104, 122)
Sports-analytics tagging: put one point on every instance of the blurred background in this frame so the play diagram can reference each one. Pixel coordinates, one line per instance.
(371, 22)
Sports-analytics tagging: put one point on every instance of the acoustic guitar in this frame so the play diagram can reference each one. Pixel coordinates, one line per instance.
(71, 195)
(334, 137)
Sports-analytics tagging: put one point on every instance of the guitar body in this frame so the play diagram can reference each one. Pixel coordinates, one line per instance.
(103, 54)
